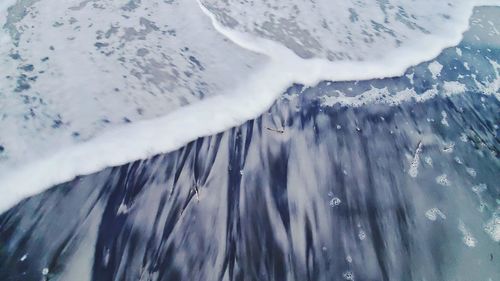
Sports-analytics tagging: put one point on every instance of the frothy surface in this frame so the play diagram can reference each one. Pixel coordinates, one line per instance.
(91, 84)
(85, 67)
(344, 30)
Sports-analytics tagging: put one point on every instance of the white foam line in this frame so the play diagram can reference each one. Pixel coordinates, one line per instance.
(144, 139)
(139, 140)
(312, 71)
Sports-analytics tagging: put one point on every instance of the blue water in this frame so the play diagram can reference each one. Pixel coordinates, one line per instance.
(304, 192)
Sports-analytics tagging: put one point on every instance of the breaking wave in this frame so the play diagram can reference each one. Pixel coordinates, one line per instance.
(91, 84)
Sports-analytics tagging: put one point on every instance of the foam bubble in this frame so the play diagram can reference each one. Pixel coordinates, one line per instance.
(434, 213)
(335, 201)
(443, 180)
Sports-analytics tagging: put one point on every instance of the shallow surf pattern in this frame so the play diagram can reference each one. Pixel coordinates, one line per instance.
(88, 83)
(304, 192)
(317, 188)
(88, 66)
(345, 30)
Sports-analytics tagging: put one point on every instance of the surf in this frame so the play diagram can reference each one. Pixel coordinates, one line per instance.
(263, 69)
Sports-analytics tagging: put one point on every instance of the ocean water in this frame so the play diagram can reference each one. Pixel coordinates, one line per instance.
(349, 175)
(86, 85)
(304, 192)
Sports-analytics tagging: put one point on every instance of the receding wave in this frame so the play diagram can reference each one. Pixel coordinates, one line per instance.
(90, 84)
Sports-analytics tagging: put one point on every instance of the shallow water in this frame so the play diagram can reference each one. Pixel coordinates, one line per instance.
(86, 83)
(386, 179)
(305, 192)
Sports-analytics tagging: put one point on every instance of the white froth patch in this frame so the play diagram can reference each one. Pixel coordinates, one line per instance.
(413, 171)
(479, 188)
(378, 96)
(45, 271)
(443, 180)
(454, 87)
(492, 228)
(467, 238)
(448, 147)
(444, 119)
(122, 209)
(463, 137)
(435, 69)
(428, 160)
(493, 87)
(361, 235)
(471, 171)
(434, 213)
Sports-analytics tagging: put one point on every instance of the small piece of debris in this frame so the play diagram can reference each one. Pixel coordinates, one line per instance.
(276, 130)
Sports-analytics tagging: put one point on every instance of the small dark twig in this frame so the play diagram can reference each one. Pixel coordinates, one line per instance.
(276, 130)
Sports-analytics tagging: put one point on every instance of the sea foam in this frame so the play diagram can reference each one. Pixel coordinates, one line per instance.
(229, 73)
